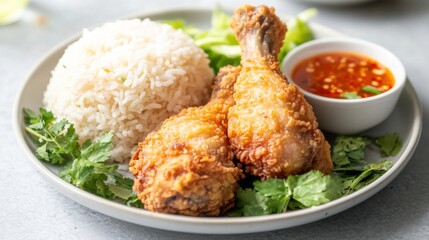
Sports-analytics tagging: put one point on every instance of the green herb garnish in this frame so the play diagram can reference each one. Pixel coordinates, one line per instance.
(348, 156)
(277, 195)
(347, 150)
(56, 141)
(371, 89)
(83, 165)
(390, 144)
(354, 178)
(314, 188)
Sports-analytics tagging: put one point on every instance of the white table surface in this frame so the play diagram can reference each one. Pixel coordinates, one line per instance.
(30, 208)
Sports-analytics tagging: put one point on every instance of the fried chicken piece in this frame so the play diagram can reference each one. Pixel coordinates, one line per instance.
(272, 128)
(186, 167)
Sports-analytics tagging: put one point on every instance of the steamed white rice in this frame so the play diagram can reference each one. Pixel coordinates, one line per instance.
(127, 77)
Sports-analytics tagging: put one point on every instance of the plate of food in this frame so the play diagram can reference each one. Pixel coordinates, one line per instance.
(182, 120)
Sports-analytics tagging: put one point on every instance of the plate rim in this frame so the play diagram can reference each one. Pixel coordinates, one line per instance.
(228, 225)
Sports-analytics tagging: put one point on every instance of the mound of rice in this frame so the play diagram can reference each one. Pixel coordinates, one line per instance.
(127, 77)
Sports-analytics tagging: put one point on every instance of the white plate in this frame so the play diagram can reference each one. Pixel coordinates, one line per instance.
(406, 120)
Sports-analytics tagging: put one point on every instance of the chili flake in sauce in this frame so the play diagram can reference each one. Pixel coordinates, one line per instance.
(343, 75)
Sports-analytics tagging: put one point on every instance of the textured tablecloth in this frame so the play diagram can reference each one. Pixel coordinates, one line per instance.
(30, 208)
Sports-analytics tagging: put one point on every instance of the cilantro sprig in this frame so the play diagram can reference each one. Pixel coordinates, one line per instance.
(83, 165)
(390, 144)
(57, 141)
(277, 195)
(313, 188)
(349, 154)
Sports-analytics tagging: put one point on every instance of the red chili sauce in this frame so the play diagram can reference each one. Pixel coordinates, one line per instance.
(343, 75)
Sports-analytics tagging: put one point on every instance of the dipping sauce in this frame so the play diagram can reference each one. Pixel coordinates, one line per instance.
(343, 75)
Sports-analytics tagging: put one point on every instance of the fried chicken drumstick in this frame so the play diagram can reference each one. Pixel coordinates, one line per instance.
(272, 128)
(186, 167)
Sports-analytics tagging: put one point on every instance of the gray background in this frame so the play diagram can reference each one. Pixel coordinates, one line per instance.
(30, 208)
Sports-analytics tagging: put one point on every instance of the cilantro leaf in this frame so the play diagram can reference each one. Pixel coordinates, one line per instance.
(99, 150)
(90, 176)
(56, 141)
(121, 192)
(348, 149)
(277, 193)
(271, 187)
(89, 172)
(134, 201)
(314, 188)
(41, 152)
(390, 144)
(251, 203)
(371, 172)
(30, 117)
(348, 155)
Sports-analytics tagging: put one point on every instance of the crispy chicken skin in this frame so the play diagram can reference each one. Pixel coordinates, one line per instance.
(272, 128)
(186, 167)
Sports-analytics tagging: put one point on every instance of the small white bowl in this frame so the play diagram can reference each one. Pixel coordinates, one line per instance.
(349, 116)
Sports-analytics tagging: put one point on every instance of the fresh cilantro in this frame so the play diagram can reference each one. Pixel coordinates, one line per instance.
(278, 195)
(314, 188)
(250, 203)
(348, 155)
(99, 150)
(134, 201)
(91, 173)
(57, 143)
(348, 149)
(390, 144)
(123, 79)
(355, 179)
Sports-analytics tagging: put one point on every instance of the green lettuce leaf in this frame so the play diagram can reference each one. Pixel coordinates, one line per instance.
(298, 32)
(222, 47)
